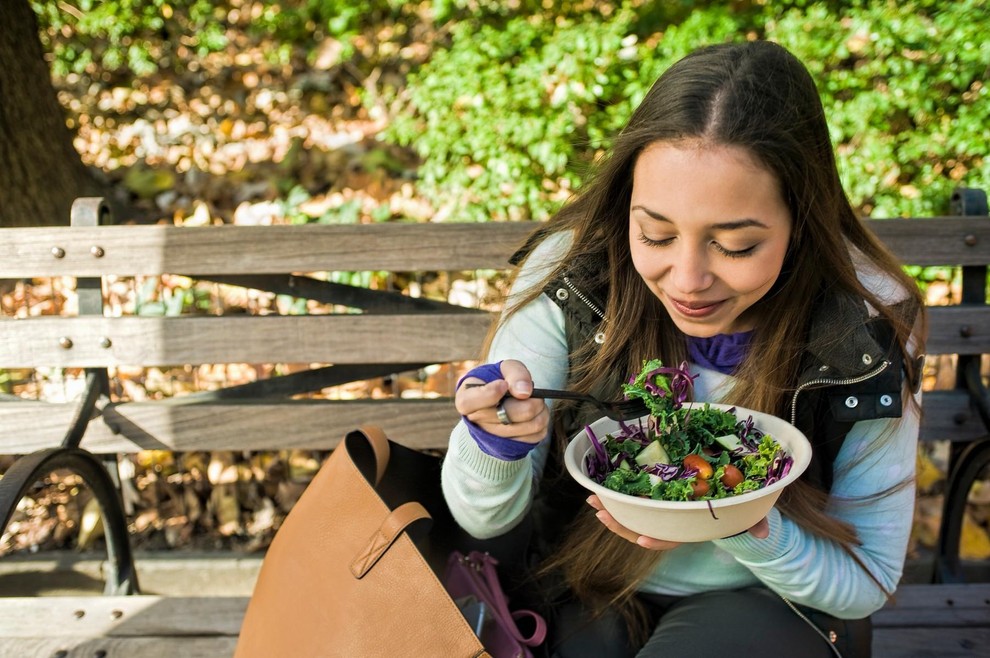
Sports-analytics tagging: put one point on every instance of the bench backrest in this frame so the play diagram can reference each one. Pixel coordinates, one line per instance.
(392, 333)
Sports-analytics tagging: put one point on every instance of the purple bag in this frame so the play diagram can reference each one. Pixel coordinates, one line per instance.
(473, 578)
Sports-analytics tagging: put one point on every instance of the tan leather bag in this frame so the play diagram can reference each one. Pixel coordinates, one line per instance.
(343, 578)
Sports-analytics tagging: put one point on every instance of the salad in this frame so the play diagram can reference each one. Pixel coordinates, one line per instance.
(683, 453)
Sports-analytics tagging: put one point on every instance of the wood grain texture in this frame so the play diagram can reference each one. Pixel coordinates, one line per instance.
(130, 647)
(133, 250)
(962, 605)
(958, 330)
(401, 338)
(310, 424)
(164, 341)
(931, 643)
(227, 425)
(936, 240)
(121, 616)
(913, 626)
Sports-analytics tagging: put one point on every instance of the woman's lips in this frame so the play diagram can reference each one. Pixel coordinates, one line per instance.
(699, 309)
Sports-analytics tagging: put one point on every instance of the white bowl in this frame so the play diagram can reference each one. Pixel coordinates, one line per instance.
(694, 520)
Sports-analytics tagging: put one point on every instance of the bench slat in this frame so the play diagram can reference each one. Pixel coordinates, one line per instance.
(163, 341)
(310, 424)
(931, 642)
(958, 330)
(228, 425)
(198, 620)
(936, 240)
(136, 250)
(59, 616)
(937, 605)
(145, 647)
(948, 415)
(887, 643)
(424, 338)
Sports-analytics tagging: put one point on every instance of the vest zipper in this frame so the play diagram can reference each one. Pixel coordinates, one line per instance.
(599, 335)
(833, 382)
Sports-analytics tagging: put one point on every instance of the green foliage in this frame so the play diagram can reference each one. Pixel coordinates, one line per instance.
(508, 117)
(902, 85)
(517, 99)
(501, 115)
(134, 35)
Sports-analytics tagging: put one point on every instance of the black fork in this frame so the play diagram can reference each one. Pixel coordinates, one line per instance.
(617, 410)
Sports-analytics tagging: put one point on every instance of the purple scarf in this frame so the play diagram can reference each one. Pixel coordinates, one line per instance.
(722, 352)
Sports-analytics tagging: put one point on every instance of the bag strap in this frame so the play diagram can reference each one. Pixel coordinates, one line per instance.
(379, 444)
(393, 526)
(485, 566)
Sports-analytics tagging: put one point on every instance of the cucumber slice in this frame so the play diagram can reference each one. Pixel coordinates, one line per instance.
(652, 454)
(729, 441)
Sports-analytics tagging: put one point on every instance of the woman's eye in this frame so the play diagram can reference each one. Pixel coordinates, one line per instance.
(738, 253)
(650, 242)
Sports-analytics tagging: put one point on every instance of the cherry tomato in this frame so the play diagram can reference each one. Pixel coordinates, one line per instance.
(699, 464)
(699, 488)
(731, 476)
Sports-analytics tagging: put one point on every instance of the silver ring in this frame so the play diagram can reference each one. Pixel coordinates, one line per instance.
(503, 417)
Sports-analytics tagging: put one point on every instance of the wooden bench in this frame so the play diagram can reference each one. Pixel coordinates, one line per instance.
(392, 333)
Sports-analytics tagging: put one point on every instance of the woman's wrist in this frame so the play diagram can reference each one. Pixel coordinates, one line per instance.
(500, 447)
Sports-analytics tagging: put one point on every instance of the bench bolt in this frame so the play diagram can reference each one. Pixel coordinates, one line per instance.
(65, 342)
(966, 331)
(970, 240)
(96, 251)
(58, 252)
(105, 342)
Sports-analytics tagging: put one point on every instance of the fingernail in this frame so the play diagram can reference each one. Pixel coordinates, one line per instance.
(522, 387)
(600, 516)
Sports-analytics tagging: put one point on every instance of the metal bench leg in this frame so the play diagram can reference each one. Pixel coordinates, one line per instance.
(122, 577)
(971, 462)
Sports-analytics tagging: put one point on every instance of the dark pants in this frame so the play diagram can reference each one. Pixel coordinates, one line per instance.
(745, 622)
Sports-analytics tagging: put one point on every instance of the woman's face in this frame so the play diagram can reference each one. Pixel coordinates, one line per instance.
(708, 231)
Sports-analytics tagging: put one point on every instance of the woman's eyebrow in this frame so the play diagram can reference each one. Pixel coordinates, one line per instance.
(721, 226)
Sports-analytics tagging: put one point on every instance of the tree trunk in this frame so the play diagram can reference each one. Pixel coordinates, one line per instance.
(40, 171)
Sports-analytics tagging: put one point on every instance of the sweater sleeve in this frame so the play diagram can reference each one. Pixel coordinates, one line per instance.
(873, 491)
(488, 496)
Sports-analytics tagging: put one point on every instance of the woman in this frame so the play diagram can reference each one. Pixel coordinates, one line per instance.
(717, 232)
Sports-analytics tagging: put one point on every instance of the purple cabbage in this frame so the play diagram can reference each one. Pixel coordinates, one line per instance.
(597, 461)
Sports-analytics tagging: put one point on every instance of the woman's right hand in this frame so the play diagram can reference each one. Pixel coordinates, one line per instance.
(478, 402)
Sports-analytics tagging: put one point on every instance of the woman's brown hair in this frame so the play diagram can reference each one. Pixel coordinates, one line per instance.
(760, 98)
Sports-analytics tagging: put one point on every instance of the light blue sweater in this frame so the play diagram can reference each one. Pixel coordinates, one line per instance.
(488, 496)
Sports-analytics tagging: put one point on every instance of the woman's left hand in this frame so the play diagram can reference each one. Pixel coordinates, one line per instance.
(761, 530)
(642, 540)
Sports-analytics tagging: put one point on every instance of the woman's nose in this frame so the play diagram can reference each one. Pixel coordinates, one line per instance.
(690, 272)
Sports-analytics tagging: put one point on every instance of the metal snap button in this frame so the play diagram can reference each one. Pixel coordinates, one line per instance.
(562, 294)
(823, 369)
(867, 359)
(600, 337)
(886, 400)
(852, 401)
